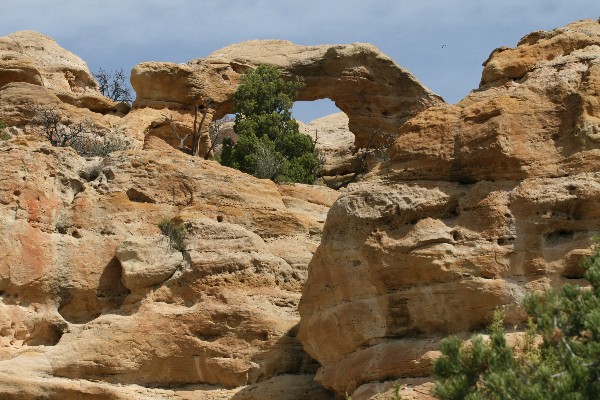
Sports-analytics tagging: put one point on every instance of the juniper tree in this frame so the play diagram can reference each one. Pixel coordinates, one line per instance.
(269, 143)
(565, 366)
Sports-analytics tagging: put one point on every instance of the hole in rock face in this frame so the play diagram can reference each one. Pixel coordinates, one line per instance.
(505, 241)
(559, 237)
(45, 333)
(219, 218)
(90, 174)
(109, 174)
(307, 111)
(82, 305)
(139, 197)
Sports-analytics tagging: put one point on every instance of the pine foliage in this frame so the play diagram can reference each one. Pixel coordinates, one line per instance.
(269, 143)
(564, 366)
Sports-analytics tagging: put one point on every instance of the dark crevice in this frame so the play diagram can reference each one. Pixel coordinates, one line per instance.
(139, 197)
(559, 237)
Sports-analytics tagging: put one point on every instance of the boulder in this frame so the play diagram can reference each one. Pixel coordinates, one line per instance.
(147, 261)
(335, 143)
(34, 58)
(539, 47)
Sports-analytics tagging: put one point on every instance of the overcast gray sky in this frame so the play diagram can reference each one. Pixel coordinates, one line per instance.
(116, 34)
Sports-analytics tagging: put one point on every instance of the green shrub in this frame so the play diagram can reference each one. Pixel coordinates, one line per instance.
(565, 366)
(175, 233)
(269, 144)
(3, 135)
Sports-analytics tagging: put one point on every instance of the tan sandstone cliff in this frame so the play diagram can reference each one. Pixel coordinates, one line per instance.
(369, 87)
(481, 202)
(94, 303)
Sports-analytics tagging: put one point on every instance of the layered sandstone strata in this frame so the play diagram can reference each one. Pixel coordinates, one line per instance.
(95, 302)
(481, 202)
(93, 292)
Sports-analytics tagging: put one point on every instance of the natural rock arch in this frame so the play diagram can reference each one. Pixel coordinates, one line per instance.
(364, 83)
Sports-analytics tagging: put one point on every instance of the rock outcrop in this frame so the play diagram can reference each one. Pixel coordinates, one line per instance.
(369, 87)
(89, 280)
(482, 202)
(335, 143)
(33, 58)
(95, 302)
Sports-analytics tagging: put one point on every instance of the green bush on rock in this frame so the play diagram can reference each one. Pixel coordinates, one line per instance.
(174, 232)
(565, 366)
(269, 144)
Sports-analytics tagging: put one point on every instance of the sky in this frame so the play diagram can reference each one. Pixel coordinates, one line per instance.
(443, 43)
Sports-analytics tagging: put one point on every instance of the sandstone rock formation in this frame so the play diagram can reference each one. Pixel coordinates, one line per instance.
(147, 261)
(89, 281)
(335, 142)
(94, 302)
(482, 202)
(369, 87)
(33, 58)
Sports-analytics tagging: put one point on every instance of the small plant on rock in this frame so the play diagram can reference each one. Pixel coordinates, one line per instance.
(94, 145)
(174, 232)
(60, 133)
(3, 135)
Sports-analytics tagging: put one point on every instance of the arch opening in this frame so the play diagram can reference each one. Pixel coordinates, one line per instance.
(308, 111)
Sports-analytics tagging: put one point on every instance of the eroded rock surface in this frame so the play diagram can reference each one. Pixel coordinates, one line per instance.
(482, 202)
(94, 301)
(33, 58)
(335, 143)
(87, 278)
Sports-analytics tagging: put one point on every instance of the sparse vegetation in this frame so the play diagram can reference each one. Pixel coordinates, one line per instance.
(83, 137)
(200, 110)
(174, 232)
(3, 135)
(269, 143)
(60, 133)
(113, 85)
(102, 146)
(566, 365)
(377, 149)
